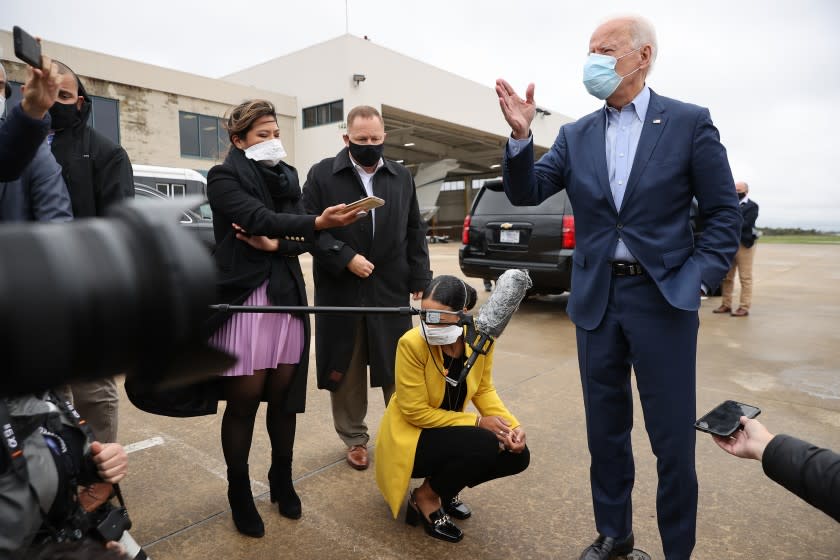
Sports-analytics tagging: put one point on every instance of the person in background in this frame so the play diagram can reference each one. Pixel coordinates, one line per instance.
(743, 263)
(631, 169)
(28, 123)
(378, 261)
(260, 229)
(810, 472)
(427, 433)
(39, 193)
(98, 174)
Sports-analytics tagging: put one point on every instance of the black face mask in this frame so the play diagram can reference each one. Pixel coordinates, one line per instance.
(741, 195)
(367, 155)
(64, 116)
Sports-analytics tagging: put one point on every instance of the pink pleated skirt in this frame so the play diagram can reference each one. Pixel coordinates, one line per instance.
(260, 340)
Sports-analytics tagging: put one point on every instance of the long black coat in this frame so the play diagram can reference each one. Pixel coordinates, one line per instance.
(238, 194)
(398, 252)
(97, 172)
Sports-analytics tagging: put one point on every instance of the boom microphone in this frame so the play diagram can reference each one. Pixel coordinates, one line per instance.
(494, 315)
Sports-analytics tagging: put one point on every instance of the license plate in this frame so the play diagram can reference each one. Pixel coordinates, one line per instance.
(509, 236)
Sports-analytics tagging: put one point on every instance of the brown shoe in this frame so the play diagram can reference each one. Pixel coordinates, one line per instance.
(722, 309)
(357, 456)
(741, 312)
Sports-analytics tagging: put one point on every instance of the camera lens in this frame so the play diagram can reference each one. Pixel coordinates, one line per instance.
(102, 296)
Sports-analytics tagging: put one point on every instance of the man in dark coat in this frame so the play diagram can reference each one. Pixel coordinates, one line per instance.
(377, 261)
(98, 174)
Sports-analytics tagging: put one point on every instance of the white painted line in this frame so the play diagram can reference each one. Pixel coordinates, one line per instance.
(145, 444)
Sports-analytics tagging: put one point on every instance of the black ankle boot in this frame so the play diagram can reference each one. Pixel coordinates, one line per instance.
(245, 515)
(282, 489)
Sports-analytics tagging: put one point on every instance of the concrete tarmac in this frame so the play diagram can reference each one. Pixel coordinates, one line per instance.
(784, 358)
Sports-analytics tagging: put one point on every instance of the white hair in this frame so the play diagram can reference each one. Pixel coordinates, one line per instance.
(642, 33)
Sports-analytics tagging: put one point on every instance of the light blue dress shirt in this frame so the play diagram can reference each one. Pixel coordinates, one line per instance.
(621, 139)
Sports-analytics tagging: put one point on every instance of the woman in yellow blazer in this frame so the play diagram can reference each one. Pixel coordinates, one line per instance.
(425, 431)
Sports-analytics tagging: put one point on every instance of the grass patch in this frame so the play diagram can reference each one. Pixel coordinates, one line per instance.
(803, 239)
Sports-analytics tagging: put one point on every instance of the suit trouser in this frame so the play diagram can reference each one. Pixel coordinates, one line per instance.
(457, 456)
(640, 329)
(349, 402)
(743, 263)
(98, 403)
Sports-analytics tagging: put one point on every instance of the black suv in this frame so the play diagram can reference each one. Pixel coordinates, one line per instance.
(498, 235)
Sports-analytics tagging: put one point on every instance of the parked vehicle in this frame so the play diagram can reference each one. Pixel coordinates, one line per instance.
(498, 235)
(197, 220)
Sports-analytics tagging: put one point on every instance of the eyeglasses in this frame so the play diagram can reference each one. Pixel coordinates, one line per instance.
(435, 316)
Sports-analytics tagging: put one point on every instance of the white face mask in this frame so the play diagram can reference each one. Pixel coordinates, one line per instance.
(268, 153)
(2, 104)
(440, 336)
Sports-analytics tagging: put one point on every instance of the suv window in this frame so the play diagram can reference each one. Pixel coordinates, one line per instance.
(496, 202)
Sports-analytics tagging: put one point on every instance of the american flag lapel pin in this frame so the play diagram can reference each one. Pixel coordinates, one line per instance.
(657, 121)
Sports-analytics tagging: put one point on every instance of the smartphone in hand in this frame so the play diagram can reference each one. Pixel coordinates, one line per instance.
(27, 48)
(725, 419)
(365, 204)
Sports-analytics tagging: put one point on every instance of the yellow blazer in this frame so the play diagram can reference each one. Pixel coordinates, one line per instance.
(420, 389)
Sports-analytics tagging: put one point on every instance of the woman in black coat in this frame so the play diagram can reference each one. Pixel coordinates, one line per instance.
(260, 229)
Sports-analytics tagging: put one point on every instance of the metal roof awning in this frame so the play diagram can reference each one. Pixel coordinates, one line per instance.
(417, 139)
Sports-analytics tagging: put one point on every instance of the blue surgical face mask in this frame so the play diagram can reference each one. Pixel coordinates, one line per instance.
(599, 75)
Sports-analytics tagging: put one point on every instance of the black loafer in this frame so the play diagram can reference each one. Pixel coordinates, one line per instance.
(438, 525)
(457, 509)
(605, 548)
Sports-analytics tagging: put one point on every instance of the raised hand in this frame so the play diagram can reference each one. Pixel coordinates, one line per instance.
(519, 113)
(41, 89)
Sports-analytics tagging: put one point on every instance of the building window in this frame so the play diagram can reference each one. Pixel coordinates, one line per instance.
(325, 113)
(16, 97)
(105, 117)
(202, 136)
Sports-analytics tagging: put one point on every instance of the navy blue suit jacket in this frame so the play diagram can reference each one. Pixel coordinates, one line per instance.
(679, 156)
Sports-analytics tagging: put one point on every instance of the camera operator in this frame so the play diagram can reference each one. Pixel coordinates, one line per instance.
(55, 482)
(27, 124)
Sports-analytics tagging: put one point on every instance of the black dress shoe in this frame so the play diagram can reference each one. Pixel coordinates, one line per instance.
(605, 548)
(456, 508)
(438, 525)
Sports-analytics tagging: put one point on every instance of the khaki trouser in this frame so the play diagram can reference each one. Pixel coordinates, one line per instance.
(349, 402)
(97, 403)
(744, 264)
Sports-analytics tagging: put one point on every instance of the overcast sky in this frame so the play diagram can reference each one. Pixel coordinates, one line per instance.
(769, 71)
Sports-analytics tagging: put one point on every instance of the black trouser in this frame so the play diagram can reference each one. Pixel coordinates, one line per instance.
(459, 456)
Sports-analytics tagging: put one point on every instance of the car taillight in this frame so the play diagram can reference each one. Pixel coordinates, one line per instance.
(568, 240)
(465, 234)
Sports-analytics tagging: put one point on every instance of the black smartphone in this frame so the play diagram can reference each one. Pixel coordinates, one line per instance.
(26, 47)
(724, 419)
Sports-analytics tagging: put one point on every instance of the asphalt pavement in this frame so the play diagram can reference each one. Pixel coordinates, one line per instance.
(783, 358)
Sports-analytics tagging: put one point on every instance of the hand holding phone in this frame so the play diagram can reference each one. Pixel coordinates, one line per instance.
(725, 419)
(27, 48)
(365, 204)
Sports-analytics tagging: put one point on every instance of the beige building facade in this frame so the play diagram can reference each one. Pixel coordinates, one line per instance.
(434, 119)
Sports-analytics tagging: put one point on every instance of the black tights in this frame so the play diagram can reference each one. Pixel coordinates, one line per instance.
(244, 394)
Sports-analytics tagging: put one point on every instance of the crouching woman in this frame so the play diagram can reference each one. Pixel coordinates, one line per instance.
(425, 432)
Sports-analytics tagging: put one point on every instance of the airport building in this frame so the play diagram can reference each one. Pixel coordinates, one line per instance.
(448, 130)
